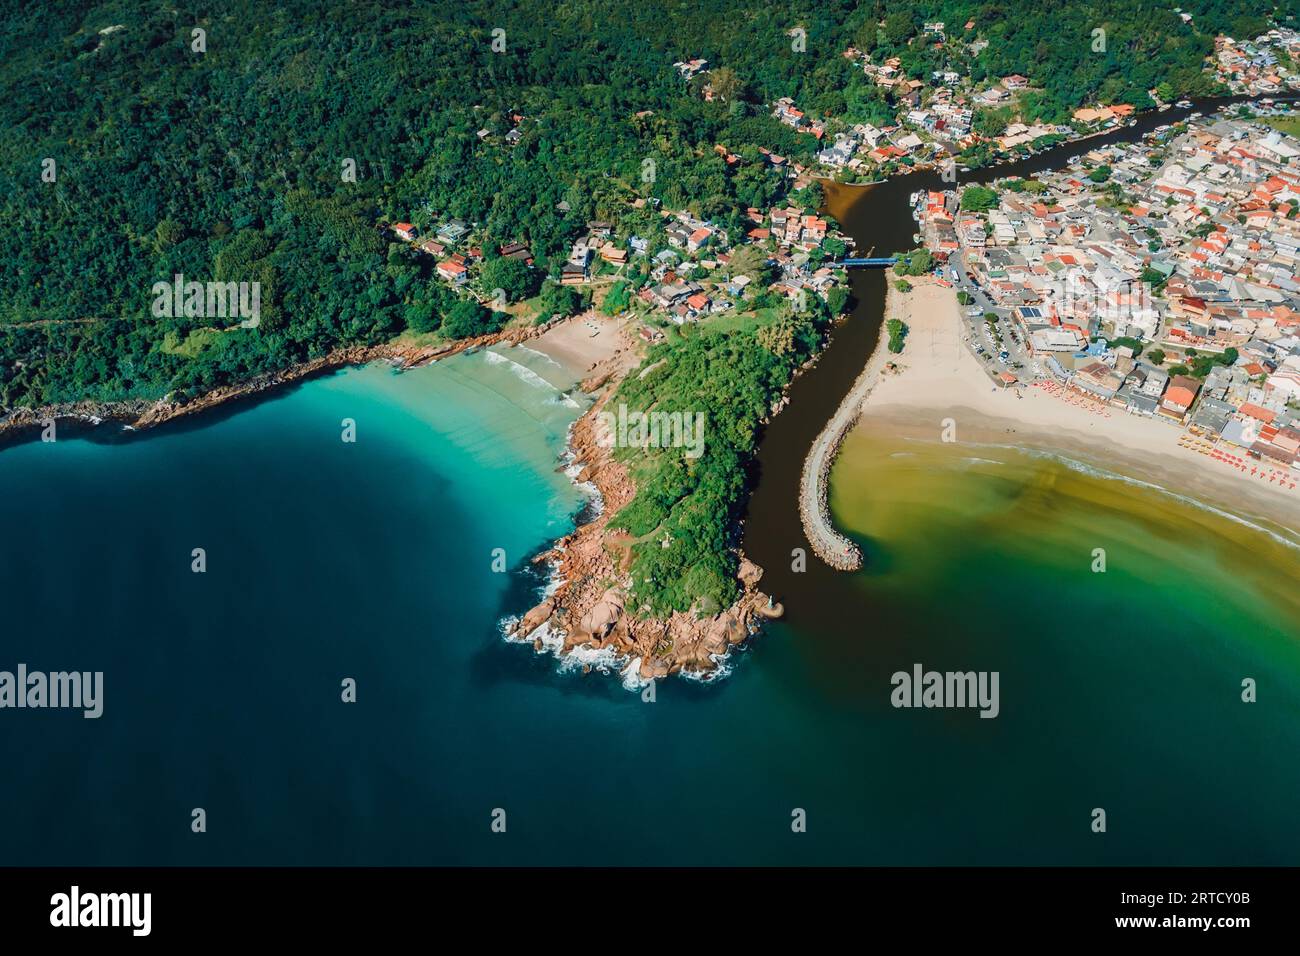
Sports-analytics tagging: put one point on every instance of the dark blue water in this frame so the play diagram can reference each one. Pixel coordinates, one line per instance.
(373, 561)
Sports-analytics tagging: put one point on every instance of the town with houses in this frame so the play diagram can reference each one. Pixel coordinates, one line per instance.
(687, 274)
(935, 118)
(1158, 278)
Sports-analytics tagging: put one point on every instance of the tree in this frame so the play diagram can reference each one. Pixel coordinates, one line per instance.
(897, 333)
(557, 300)
(420, 317)
(514, 277)
(991, 123)
(726, 85)
(617, 299)
(751, 261)
(978, 199)
(1156, 356)
(468, 318)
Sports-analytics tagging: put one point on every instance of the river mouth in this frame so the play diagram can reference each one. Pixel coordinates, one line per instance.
(878, 218)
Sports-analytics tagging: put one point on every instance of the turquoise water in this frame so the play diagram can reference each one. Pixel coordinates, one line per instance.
(373, 560)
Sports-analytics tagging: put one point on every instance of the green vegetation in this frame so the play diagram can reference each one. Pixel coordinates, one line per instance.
(1135, 344)
(233, 164)
(617, 299)
(918, 262)
(1202, 365)
(1286, 124)
(1156, 356)
(556, 299)
(515, 279)
(991, 122)
(978, 198)
(897, 333)
(732, 378)
(229, 162)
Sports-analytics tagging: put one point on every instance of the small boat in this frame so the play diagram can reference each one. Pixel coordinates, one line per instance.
(1183, 104)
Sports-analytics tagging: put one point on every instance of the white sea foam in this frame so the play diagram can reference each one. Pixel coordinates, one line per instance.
(721, 670)
(522, 372)
(632, 679)
(605, 660)
(540, 353)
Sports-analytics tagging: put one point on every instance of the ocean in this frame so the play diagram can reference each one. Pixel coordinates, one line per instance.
(374, 561)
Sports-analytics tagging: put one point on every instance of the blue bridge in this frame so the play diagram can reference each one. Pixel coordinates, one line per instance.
(868, 263)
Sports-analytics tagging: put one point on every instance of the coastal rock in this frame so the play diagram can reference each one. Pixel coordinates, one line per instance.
(535, 618)
(590, 605)
(748, 573)
(600, 620)
(594, 382)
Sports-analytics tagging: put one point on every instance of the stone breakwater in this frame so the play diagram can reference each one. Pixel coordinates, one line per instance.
(814, 482)
(146, 413)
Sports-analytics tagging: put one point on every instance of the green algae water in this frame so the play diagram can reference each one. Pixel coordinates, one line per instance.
(373, 560)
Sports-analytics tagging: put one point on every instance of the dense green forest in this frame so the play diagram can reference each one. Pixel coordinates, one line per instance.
(129, 156)
(685, 512)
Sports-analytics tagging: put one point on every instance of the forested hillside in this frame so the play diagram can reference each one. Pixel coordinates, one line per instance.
(226, 164)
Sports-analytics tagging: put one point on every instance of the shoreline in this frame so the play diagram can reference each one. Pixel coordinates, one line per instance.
(583, 616)
(833, 547)
(24, 423)
(939, 388)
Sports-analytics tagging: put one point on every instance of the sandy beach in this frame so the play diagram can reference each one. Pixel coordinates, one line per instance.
(937, 382)
(583, 342)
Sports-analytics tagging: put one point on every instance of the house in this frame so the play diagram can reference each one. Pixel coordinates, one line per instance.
(516, 250)
(1179, 396)
(432, 247)
(678, 235)
(454, 231)
(814, 229)
(572, 274)
(737, 285)
(404, 231)
(613, 254)
(699, 303)
(453, 271)
(698, 239)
